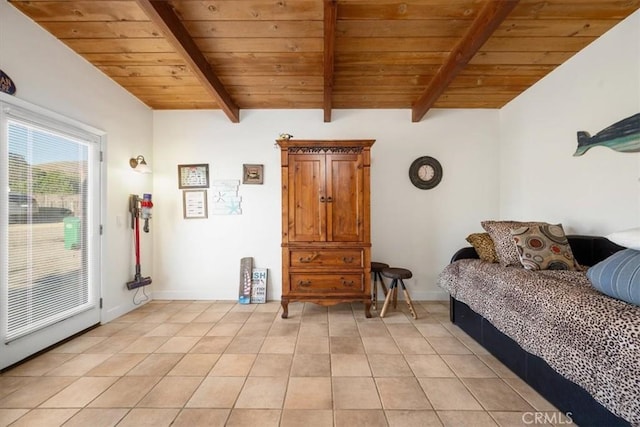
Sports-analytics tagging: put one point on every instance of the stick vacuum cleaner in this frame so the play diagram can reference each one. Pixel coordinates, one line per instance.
(136, 211)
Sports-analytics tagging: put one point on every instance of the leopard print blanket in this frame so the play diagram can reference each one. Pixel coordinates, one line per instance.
(584, 335)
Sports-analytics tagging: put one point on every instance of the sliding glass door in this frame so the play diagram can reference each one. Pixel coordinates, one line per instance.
(50, 232)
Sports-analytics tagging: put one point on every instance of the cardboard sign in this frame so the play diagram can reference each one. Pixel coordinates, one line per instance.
(259, 286)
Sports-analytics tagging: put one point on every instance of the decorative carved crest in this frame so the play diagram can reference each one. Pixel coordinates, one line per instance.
(313, 150)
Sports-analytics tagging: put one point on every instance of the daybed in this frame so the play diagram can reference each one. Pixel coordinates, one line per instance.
(577, 347)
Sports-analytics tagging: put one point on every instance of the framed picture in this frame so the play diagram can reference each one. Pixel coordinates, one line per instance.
(193, 176)
(194, 204)
(252, 174)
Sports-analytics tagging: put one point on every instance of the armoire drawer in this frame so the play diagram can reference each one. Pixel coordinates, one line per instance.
(326, 283)
(326, 258)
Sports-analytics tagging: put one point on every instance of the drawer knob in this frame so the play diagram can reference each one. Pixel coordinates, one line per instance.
(304, 282)
(347, 260)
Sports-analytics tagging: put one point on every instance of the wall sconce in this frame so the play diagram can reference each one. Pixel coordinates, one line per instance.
(139, 164)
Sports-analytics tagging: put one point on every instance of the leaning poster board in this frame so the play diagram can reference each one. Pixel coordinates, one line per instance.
(259, 286)
(244, 294)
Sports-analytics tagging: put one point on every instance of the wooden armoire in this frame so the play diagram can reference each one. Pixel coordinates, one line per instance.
(326, 237)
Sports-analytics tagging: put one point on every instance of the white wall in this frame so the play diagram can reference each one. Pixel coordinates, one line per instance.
(515, 163)
(412, 228)
(48, 74)
(481, 151)
(598, 192)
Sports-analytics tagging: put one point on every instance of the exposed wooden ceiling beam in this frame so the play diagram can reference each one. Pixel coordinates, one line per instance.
(162, 14)
(330, 18)
(488, 20)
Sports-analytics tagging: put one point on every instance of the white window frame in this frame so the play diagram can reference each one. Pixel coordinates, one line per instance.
(39, 117)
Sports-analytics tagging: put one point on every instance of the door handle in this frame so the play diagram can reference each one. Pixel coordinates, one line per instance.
(322, 199)
(348, 260)
(349, 284)
(329, 199)
(304, 282)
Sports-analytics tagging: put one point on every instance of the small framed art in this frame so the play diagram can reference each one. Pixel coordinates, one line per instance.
(252, 174)
(193, 176)
(194, 204)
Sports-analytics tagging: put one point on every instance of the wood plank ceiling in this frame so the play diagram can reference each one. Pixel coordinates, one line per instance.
(326, 54)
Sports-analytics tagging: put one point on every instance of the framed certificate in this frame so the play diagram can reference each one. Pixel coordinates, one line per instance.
(193, 176)
(194, 204)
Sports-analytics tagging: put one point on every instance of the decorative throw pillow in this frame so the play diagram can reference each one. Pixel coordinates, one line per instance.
(544, 247)
(618, 276)
(484, 246)
(628, 238)
(500, 232)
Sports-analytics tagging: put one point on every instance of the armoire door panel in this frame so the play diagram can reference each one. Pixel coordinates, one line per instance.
(307, 198)
(345, 198)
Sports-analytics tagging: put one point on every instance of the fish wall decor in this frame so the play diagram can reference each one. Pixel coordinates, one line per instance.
(623, 136)
(6, 84)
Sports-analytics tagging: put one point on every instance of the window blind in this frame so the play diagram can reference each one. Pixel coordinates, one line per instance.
(48, 259)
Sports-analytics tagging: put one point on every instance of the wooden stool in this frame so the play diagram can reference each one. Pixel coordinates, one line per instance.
(397, 274)
(376, 270)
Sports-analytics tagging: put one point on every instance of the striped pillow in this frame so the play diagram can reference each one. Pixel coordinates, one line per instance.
(618, 276)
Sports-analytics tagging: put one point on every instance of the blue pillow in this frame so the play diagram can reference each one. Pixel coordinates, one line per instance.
(618, 276)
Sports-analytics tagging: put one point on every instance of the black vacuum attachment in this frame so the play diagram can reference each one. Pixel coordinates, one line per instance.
(138, 280)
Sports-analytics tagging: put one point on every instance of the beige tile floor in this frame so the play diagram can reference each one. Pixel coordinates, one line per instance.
(211, 363)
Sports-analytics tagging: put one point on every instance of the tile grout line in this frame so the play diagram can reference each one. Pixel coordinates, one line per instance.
(333, 317)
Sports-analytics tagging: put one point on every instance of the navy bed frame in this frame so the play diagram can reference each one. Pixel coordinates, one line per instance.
(565, 395)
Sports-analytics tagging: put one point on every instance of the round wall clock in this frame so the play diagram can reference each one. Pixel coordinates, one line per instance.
(425, 172)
